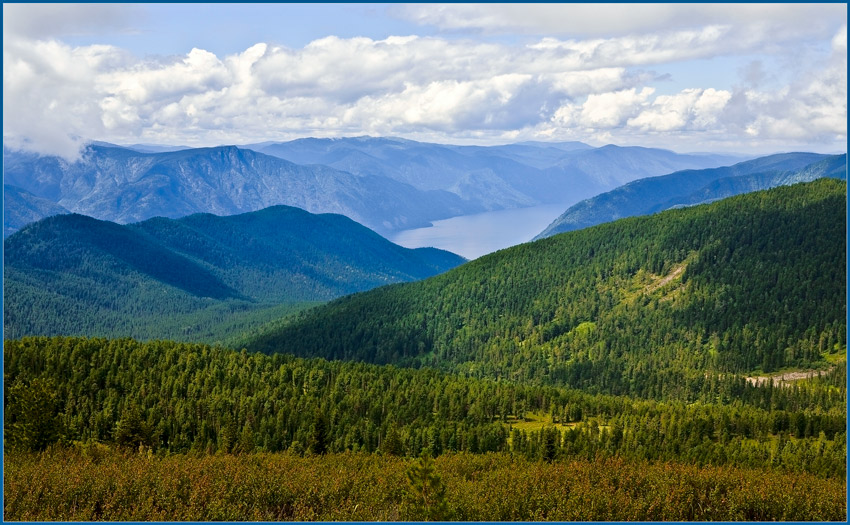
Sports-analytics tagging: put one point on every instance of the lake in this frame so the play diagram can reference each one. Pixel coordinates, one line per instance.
(475, 235)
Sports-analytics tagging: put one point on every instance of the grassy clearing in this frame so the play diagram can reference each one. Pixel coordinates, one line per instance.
(538, 420)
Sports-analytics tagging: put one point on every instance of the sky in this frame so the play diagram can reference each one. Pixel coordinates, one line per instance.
(736, 78)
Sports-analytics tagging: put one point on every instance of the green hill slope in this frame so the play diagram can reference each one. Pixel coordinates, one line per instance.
(196, 278)
(642, 306)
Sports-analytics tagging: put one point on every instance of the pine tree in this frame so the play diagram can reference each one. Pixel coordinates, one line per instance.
(32, 419)
(133, 431)
(551, 439)
(426, 494)
(319, 438)
(392, 443)
(246, 439)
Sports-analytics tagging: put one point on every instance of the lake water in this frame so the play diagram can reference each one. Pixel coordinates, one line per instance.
(475, 235)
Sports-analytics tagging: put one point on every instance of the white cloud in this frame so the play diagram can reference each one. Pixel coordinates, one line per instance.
(51, 101)
(55, 95)
(839, 41)
(813, 107)
(605, 110)
(690, 109)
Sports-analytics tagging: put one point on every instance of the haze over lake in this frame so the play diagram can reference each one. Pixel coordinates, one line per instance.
(475, 235)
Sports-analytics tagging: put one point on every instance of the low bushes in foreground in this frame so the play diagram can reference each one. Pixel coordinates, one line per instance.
(97, 483)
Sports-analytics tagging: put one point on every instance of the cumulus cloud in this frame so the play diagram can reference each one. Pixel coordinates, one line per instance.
(57, 96)
(51, 101)
(603, 110)
(690, 109)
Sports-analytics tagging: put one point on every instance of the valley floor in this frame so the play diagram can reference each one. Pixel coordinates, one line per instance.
(96, 483)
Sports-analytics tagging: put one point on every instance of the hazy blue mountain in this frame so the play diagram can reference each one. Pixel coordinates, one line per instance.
(140, 148)
(478, 180)
(611, 166)
(688, 187)
(154, 148)
(494, 177)
(834, 166)
(563, 146)
(21, 207)
(532, 153)
(122, 185)
(72, 274)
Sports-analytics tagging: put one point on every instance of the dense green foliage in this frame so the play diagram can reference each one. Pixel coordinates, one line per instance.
(66, 485)
(643, 306)
(177, 397)
(199, 278)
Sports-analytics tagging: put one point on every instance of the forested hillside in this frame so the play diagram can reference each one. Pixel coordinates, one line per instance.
(201, 277)
(643, 306)
(120, 430)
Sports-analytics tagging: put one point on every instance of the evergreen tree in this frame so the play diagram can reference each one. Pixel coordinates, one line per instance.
(551, 442)
(246, 439)
(133, 431)
(32, 415)
(319, 438)
(425, 492)
(392, 443)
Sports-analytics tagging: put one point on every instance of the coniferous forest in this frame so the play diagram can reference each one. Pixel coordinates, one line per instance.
(629, 371)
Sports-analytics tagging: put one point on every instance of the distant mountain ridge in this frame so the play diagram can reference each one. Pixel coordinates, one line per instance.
(691, 187)
(125, 186)
(387, 184)
(524, 174)
(21, 207)
(72, 274)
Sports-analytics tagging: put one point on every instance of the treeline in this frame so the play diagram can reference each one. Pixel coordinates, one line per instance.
(128, 486)
(652, 307)
(186, 398)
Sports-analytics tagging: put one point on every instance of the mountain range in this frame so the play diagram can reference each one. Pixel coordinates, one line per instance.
(72, 274)
(494, 177)
(123, 185)
(689, 187)
(385, 184)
